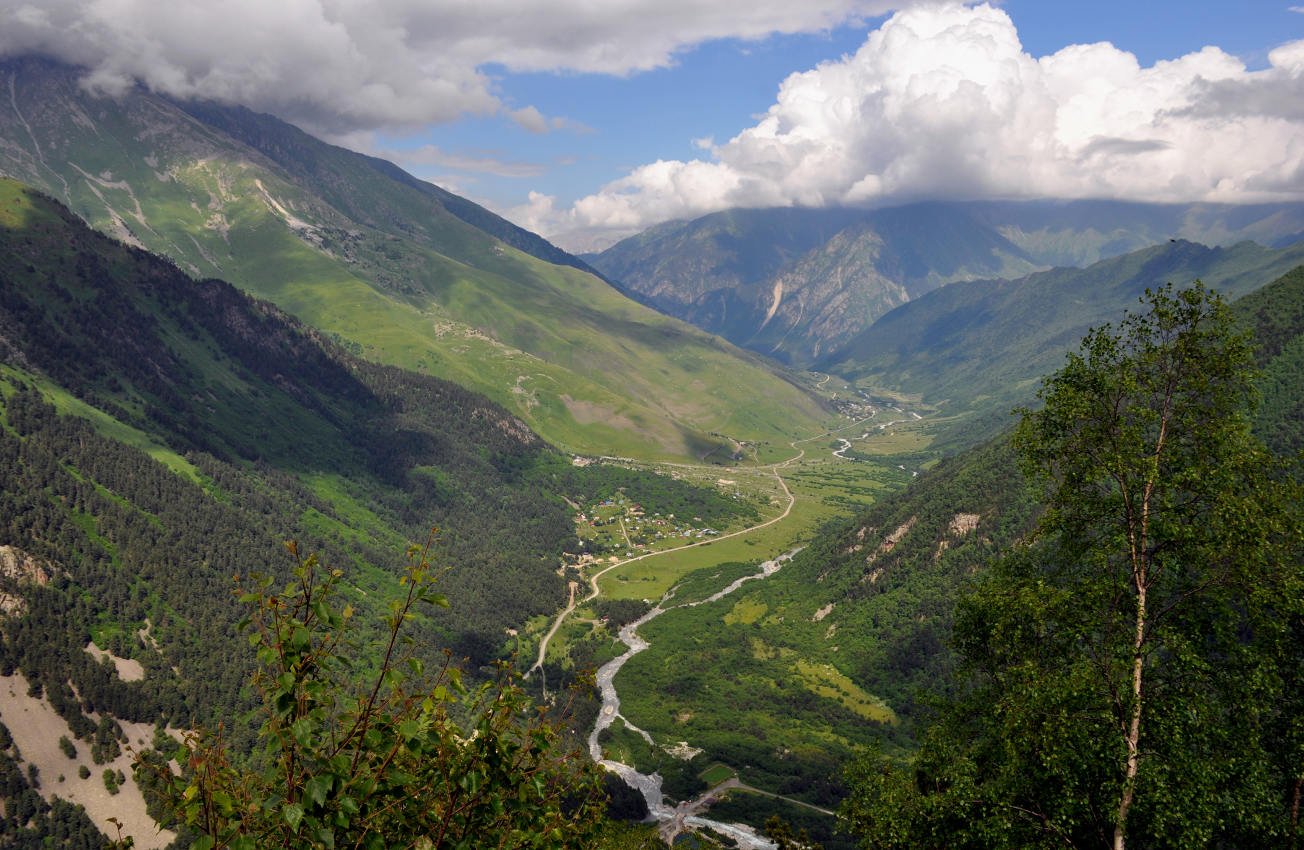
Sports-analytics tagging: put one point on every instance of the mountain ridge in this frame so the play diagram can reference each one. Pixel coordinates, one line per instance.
(799, 305)
(584, 365)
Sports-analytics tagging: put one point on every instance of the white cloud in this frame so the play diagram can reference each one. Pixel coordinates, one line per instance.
(336, 66)
(530, 118)
(943, 102)
(534, 121)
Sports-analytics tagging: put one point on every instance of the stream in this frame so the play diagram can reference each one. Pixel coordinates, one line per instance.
(674, 819)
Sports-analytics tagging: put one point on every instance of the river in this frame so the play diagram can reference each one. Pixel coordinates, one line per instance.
(674, 819)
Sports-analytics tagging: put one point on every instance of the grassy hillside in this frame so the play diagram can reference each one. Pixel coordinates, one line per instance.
(206, 428)
(978, 349)
(392, 268)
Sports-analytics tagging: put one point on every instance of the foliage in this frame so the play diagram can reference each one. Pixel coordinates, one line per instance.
(386, 763)
(620, 612)
(780, 832)
(1276, 315)
(1129, 676)
(785, 699)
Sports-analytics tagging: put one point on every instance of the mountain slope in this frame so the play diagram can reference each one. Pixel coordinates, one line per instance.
(746, 275)
(793, 283)
(782, 681)
(981, 346)
(389, 267)
(1080, 233)
(361, 457)
(160, 435)
(1275, 316)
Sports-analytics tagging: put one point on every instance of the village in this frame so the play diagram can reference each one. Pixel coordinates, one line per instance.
(615, 529)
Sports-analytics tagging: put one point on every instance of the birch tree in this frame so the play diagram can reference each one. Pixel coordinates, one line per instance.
(1124, 669)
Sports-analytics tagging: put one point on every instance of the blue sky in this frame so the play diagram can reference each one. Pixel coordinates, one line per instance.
(714, 89)
(588, 121)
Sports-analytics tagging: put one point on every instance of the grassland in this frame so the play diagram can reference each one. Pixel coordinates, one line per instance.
(387, 270)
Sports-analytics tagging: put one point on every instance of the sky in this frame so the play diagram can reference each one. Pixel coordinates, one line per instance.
(590, 120)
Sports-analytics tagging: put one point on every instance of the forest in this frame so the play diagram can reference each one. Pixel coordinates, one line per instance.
(211, 428)
(161, 438)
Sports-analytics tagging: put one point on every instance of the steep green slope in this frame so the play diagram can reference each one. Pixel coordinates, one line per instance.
(365, 457)
(209, 427)
(389, 268)
(1275, 315)
(381, 195)
(981, 346)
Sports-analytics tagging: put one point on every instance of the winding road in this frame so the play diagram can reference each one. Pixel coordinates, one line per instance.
(593, 579)
(685, 815)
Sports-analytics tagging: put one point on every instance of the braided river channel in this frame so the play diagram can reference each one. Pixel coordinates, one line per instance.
(684, 816)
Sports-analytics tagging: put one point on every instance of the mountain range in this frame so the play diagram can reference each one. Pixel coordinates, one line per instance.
(391, 267)
(977, 349)
(388, 357)
(798, 284)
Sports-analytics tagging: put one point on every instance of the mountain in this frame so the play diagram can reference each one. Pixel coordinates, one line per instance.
(840, 649)
(391, 267)
(781, 283)
(161, 435)
(249, 406)
(980, 347)
(1080, 233)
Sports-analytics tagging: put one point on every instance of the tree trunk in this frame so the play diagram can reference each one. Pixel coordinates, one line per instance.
(1134, 725)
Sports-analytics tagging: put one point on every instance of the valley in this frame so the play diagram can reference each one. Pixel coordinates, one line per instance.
(751, 516)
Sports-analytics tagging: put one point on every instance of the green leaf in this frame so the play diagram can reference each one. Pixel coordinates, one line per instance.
(302, 730)
(293, 815)
(318, 788)
(223, 802)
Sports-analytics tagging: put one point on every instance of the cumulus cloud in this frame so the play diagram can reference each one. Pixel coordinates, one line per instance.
(338, 66)
(942, 101)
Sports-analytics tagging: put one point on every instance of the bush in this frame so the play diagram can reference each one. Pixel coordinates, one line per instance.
(382, 764)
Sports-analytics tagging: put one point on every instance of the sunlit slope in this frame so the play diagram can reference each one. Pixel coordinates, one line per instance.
(981, 347)
(381, 262)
